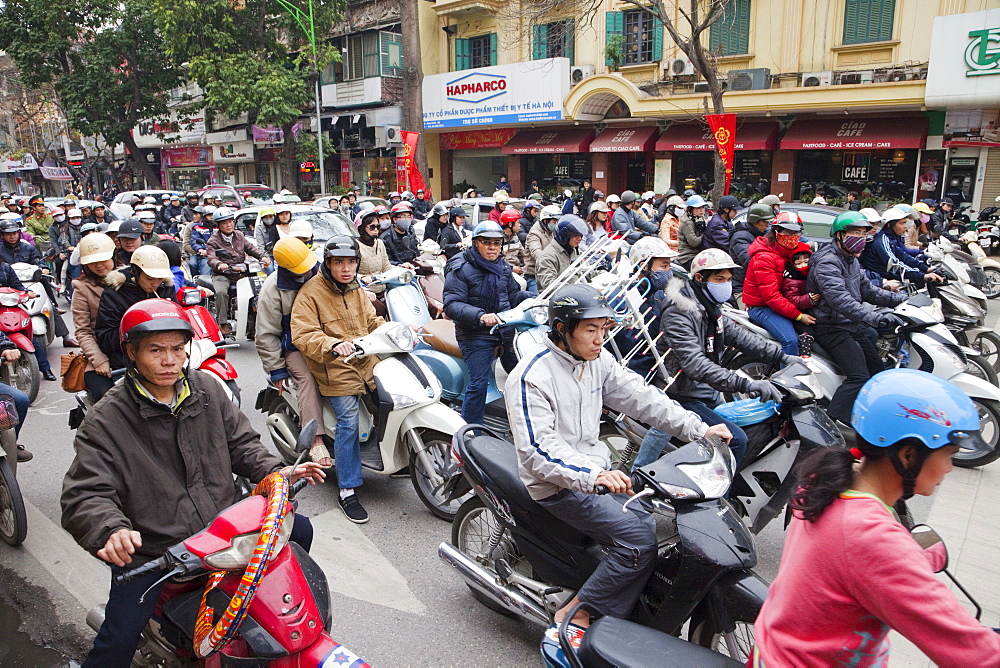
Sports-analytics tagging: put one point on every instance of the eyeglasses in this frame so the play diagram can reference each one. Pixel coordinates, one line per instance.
(491, 243)
(372, 226)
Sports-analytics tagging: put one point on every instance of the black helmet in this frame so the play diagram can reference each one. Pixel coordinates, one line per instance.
(569, 226)
(728, 202)
(342, 246)
(9, 226)
(456, 212)
(439, 210)
(577, 302)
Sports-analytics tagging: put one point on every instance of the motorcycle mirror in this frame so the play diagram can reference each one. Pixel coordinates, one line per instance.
(306, 436)
(932, 545)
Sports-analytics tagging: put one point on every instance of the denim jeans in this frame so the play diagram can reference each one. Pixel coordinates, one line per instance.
(40, 353)
(532, 284)
(778, 326)
(125, 617)
(479, 355)
(346, 441)
(655, 441)
(199, 266)
(21, 404)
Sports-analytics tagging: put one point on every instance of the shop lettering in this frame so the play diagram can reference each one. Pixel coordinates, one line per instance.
(623, 136)
(477, 87)
(546, 138)
(859, 173)
(851, 129)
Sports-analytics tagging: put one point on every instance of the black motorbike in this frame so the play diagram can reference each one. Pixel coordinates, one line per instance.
(519, 559)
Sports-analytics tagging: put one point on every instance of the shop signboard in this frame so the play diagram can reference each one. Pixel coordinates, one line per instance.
(269, 154)
(56, 173)
(856, 166)
(186, 156)
(485, 138)
(177, 130)
(525, 92)
(237, 151)
(964, 65)
(931, 171)
(25, 163)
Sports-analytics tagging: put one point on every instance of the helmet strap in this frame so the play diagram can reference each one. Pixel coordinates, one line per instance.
(561, 339)
(909, 474)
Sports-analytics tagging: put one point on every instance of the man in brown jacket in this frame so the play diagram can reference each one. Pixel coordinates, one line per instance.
(154, 465)
(227, 247)
(330, 310)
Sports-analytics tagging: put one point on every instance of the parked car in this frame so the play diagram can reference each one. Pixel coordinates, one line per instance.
(120, 204)
(816, 218)
(326, 223)
(478, 209)
(233, 196)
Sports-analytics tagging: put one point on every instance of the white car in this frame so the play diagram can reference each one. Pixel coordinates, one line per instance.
(120, 204)
(326, 223)
(478, 209)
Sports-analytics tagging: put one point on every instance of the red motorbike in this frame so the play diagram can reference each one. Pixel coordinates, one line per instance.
(265, 599)
(208, 347)
(15, 322)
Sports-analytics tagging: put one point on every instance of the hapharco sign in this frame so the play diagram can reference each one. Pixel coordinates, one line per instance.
(965, 53)
(525, 92)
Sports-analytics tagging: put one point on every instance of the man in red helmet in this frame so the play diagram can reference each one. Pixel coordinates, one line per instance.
(154, 465)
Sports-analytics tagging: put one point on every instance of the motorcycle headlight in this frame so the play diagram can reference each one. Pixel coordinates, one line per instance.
(711, 478)
(254, 267)
(402, 337)
(539, 314)
(237, 556)
(10, 299)
(405, 277)
(191, 297)
(401, 401)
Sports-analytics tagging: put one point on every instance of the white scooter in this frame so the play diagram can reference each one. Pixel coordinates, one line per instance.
(989, 266)
(403, 423)
(39, 307)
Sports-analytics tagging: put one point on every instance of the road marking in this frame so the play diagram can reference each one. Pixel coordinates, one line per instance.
(355, 567)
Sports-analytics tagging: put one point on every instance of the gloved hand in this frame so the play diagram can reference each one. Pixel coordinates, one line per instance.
(890, 321)
(764, 390)
(791, 359)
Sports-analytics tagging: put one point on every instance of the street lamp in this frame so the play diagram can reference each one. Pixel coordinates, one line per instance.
(307, 23)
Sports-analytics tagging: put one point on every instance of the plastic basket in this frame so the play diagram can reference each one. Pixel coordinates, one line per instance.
(747, 411)
(8, 412)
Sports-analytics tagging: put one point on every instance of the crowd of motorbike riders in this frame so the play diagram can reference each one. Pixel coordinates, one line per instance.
(154, 457)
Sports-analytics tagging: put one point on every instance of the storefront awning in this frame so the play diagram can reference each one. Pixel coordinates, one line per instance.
(624, 140)
(691, 137)
(549, 141)
(857, 133)
(485, 138)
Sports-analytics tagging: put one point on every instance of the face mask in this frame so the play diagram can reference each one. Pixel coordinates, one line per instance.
(268, 220)
(76, 222)
(854, 244)
(787, 240)
(659, 279)
(924, 218)
(552, 227)
(720, 292)
(404, 223)
(60, 218)
(383, 225)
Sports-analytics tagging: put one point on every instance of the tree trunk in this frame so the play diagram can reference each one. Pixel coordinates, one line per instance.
(413, 77)
(289, 160)
(139, 160)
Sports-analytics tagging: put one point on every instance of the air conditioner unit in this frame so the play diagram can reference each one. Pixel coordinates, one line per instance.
(702, 86)
(680, 67)
(810, 79)
(755, 79)
(578, 73)
(858, 77)
(393, 134)
(903, 74)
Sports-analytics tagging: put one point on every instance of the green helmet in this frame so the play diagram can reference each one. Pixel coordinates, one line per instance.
(760, 212)
(848, 219)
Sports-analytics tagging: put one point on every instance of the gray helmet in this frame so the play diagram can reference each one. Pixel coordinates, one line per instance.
(223, 213)
(342, 246)
(628, 197)
(439, 209)
(570, 226)
(9, 225)
(578, 302)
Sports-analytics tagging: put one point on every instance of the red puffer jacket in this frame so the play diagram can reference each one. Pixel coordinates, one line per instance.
(793, 286)
(762, 286)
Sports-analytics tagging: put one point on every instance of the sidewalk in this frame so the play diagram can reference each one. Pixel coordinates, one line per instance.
(964, 514)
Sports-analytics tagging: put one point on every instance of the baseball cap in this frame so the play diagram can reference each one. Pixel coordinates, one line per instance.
(130, 229)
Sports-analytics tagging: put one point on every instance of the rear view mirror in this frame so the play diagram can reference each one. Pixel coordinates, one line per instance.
(932, 545)
(306, 436)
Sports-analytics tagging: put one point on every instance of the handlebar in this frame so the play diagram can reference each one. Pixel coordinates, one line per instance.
(147, 568)
(298, 486)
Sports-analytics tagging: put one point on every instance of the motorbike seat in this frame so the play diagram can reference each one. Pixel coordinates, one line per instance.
(612, 642)
(442, 337)
(206, 283)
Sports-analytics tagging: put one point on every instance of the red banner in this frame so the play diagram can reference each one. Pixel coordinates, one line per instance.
(723, 127)
(416, 179)
(345, 172)
(401, 170)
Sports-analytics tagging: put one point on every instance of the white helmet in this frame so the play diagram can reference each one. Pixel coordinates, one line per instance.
(567, 193)
(712, 258)
(146, 215)
(153, 262)
(649, 247)
(11, 216)
(872, 215)
(648, 195)
(113, 226)
(550, 211)
(893, 214)
(302, 229)
(149, 200)
(96, 247)
(74, 213)
(613, 198)
(282, 208)
(675, 201)
(501, 196)
(599, 206)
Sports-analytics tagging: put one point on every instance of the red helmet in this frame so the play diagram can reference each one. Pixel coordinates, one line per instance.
(402, 207)
(381, 209)
(153, 315)
(787, 217)
(509, 217)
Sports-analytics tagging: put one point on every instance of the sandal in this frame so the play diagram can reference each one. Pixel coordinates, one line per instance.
(318, 453)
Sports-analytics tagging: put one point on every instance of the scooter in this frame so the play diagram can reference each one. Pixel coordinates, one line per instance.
(990, 267)
(245, 281)
(519, 559)
(402, 423)
(15, 322)
(987, 229)
(922, 343)
(39, 307)
(273, 598)
(207, 349)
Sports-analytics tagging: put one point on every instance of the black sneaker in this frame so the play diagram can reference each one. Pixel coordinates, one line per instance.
(23, 455)
(353, 509)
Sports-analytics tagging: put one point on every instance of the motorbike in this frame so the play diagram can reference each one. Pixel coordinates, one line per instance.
(273, 598)
(779, 437)
(518, 559)
(245, 281)
(988, 230)
(15, 322)
(207, 349)
(40, 307)
(402, 423)
(430, 276)
(990, 267)
(923, 343)
(958, 266)
(13, 518)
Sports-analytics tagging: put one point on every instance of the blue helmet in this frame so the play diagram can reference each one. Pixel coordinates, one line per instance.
(694, 201)
(570, 226)
(902, 404)
(488, 230)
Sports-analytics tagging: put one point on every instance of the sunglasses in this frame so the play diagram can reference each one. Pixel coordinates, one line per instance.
(372, 226)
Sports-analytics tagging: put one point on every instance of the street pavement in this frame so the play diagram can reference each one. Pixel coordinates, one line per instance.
(394, 602)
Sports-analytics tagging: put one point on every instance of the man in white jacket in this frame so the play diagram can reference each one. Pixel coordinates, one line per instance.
(554, 399)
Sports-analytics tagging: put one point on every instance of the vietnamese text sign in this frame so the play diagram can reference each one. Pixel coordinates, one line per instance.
(517, 93)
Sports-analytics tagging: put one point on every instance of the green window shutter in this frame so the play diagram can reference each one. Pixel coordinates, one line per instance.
(730, 35)
(886, 14)
(868, 21)
(657, 40)
(615, 26)
(569, 37)
(540, 42)
(463, 60)
(493, 48)
(390, 54)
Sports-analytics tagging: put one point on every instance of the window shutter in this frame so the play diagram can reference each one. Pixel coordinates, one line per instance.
(493, 48)
(742, 26)
(540, 42)
(730, 35)
(463, 61)
(886, 13)
(390, 54)
(657, 40)
(569, 40)
(852, 22)
(615, 26)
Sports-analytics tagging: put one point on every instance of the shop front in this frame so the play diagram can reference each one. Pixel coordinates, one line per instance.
(557, 159)
(684, 156)
(475, 158)
(234, 162)
(875, 157)
(623, 158)
(187, 167)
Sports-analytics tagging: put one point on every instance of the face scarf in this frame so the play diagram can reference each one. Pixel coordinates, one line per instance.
(489, 289)
(720, 292)
(659, 279)
(788, 241)
(854, 244)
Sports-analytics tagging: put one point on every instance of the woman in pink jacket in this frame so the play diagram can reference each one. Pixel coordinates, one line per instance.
(849, 571)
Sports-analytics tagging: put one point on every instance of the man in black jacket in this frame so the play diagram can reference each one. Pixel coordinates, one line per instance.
(452, 238)
(400, 240)
(744, 233)
(421, 205)
(938, 224)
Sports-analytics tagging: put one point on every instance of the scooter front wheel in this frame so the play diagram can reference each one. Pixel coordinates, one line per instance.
(24, 374)
(435, 497)
(737, 644)
(988, 345)
(989, 428)
(13, 518)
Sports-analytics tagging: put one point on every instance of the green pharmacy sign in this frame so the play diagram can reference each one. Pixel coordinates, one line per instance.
(982, 55)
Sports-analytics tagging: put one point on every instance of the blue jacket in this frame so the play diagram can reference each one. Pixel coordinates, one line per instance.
(462, 298)
(199, 237)
(9, 279)
(717, 233)
(22, 252)
(887, 246)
